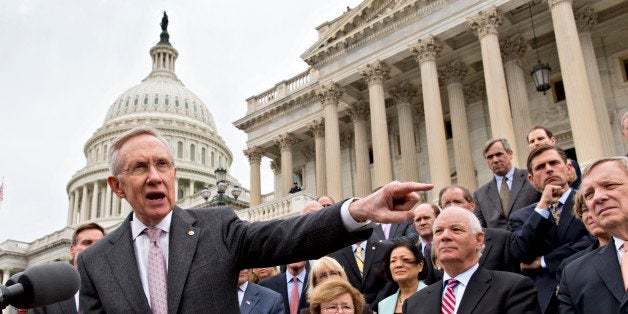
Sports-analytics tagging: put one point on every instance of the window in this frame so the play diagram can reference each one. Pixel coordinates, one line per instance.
(203, 155)
(180, 150)
(192, 152)
(156, 100)
(145, 100)
(624, 67)
(211, 159)
(135, 102)
(167, 101)
(176, 102)
(558, 90)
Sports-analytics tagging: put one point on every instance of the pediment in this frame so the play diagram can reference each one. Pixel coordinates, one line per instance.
(360, 25)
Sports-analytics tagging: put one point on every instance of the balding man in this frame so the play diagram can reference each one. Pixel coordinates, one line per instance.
(467, 287)
(597, 282)
(496, 253)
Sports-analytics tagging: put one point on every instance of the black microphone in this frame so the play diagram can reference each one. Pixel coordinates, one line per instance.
(40, 285)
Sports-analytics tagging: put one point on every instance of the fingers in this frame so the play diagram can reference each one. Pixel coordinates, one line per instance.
(395, 217)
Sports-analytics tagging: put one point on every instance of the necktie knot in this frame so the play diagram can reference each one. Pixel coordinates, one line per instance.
(153, 234)
(452, 283)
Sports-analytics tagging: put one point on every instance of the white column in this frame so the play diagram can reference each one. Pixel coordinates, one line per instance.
(77, 207)
(359, 113)
(329, 94)
(375, 74)
(403, 95)
(84, 204)
(94, 206)
(585, 21)
(254, 154)
(585, 130)
(486, 25)
(425, 53)
(463, 155)
(70, 210)
(108, 196)
(317, 127)
(285, 142)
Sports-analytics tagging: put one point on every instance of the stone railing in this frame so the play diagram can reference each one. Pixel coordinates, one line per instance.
(281, 90)
(280, 208)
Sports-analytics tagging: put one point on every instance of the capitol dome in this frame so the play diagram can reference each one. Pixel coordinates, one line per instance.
(161, 101)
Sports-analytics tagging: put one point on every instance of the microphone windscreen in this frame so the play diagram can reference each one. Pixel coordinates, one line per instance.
(46, 284)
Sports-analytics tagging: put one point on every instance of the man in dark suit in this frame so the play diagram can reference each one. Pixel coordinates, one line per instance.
(545, 233)
(467, 287)
(496, 252)
(540, 135)
(595, 283)
(283, 284)
(83, 237)
(196, 255)
(490, 196)
(257, 299)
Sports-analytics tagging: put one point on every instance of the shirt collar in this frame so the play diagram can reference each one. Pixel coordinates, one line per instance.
(563, 198)
(137, 227)
(355, 246)
(463, 277)
(618, 243)
(243, 286)
(508, 175)
(301, 275)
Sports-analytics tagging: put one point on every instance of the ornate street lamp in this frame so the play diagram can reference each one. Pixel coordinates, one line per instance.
(221, 186)
(205, 193)
(541, 71)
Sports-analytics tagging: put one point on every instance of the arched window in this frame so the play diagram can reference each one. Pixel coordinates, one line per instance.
(156, 99)
(211, 159)
(203, 155)
(180, 150)
(145, 100)
(192, 152)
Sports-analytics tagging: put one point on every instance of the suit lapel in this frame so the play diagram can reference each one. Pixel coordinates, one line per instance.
(488, 245)
(492, 194)
(121, 256)
(607, 267)
(347, 252)
(433, 302)
(518, 180)
(249, 300)
(473, 294)
(566, 218)
(369, 253)
(183, 240)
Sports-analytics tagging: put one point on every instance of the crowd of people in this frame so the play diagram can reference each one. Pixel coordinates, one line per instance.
(527, 241)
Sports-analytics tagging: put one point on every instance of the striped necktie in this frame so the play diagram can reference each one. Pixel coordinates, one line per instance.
(359, 259)
(449, 298)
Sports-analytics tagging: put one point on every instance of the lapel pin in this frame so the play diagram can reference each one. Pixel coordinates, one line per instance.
(190, 233)
(248, 302)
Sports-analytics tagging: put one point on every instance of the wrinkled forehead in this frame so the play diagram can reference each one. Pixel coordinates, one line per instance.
(612, 169)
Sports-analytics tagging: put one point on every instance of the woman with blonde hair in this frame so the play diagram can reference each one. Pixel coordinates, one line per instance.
(335, 296)
(257, 274)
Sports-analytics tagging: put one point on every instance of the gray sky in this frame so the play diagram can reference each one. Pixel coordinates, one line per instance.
(63, 63)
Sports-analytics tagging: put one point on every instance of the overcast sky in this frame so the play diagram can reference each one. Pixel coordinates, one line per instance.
(63, 63)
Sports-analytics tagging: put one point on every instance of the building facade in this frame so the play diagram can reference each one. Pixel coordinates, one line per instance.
(411, 90)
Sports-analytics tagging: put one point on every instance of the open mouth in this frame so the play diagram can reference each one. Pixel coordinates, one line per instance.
(155, 196)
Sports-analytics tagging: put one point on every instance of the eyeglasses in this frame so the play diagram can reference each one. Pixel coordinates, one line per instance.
(141, 168)
(338, 309)
(322, 276)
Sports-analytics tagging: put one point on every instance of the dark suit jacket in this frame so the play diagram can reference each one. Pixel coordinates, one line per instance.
(207, 249)
(533, 236)
(593, 284)
(67, 306)
(402, 232)
(488, 291)
(260, 300)
(373, 278)
(488, 206)
(575, 256)
(279, 284)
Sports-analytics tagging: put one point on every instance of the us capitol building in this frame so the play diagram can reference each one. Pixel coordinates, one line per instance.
(394, 90)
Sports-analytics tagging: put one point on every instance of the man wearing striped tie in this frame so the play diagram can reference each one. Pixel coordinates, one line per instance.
(467, 287)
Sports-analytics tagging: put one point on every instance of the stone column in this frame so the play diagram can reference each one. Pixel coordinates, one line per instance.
(329, 94)
(425, 53)
(115, 209)
(190, 187)
(359, 113)
(70, 210)
(463, 155)
(512, 52)
(585, 130)
(317, 127)
(285, 142)
(485, 25)
(108, 196)
(77, 207)
(403, 95)
(84, 205)
(585, 21)
(275, 166)
(375, 74)
(254, 154)
(176, 188)
(94, 207)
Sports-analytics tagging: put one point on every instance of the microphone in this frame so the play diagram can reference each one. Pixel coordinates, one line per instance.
(40, 285)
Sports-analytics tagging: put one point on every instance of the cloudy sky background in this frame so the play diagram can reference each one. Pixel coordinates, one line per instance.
(63, 63)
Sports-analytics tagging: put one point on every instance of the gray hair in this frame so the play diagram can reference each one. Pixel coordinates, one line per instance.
(619, 160)
(114, 158)
(472, 221)
(492, 141)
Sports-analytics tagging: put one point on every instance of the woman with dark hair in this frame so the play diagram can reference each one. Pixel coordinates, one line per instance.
(405, 265)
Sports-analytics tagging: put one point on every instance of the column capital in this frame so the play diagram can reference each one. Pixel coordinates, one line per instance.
(317, 127)
(474, 92)
(254, 154)
(375, 72)
(329, 93)
(285, 141)
(308, 153)
(453, 72)
(552, 3)
(586, 19)
(359, 111)
(427, 49)
(403, 93)
(486, 22)
(513, 48)
(275, 166)
(345, 140)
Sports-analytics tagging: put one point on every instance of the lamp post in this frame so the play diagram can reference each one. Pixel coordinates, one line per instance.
(541, 71)
(221, 186)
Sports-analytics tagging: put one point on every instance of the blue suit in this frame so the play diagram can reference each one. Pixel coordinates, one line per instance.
(258, 299)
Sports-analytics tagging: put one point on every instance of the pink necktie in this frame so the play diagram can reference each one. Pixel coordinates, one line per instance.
(449, 299)
(624, 265)
(157, 285)
(294, 296)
